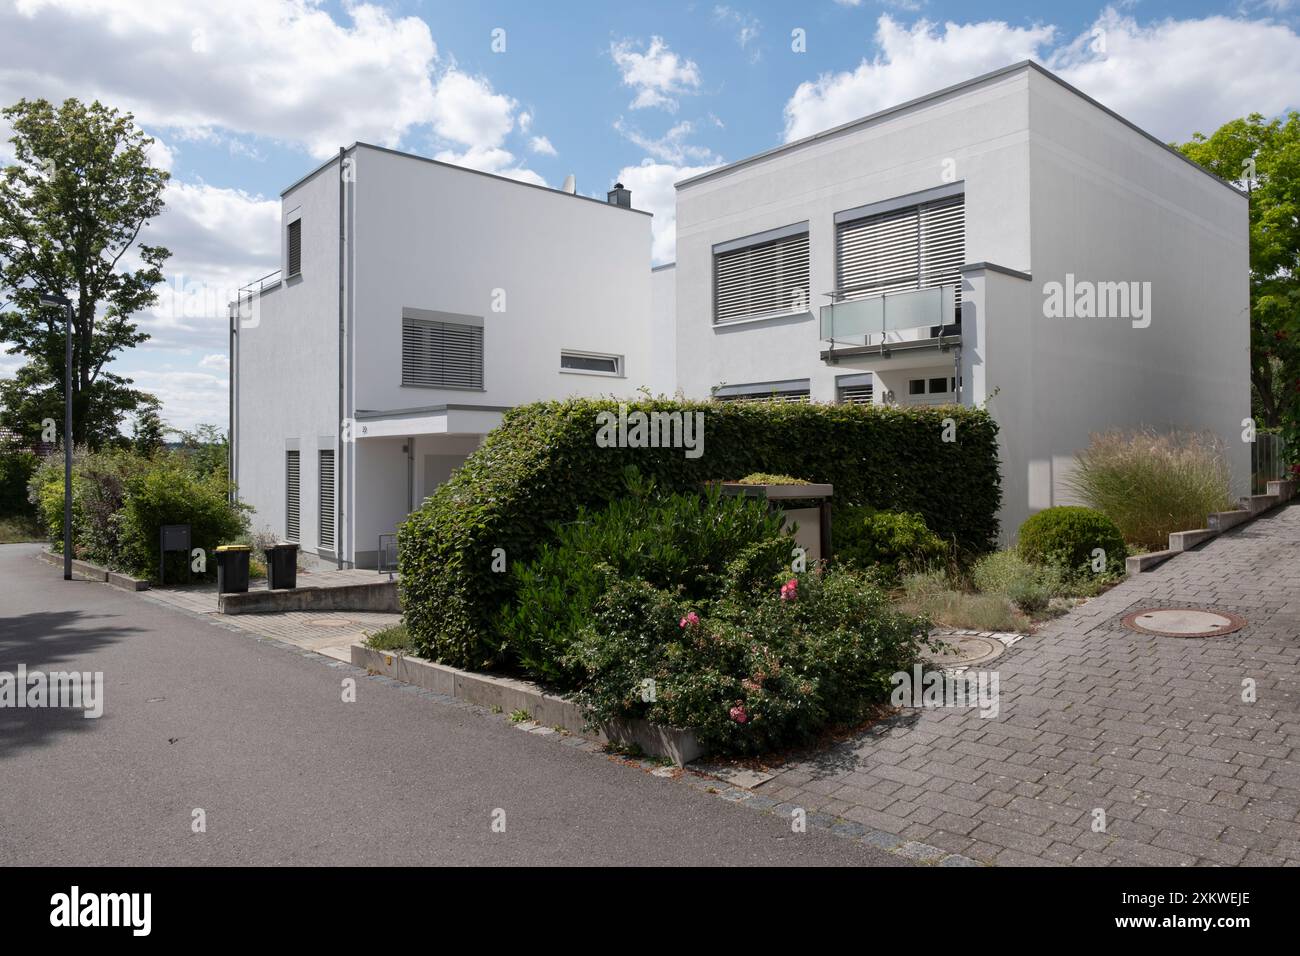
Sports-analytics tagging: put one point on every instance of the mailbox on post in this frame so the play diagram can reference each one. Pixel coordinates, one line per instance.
(172, 537)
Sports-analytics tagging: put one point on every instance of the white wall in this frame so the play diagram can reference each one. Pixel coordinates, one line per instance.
(1111, 205)
(574, 272)
(287, 381)
(663, 329)
(981, 130)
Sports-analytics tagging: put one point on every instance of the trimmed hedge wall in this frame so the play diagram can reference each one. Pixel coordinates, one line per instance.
(543, 462)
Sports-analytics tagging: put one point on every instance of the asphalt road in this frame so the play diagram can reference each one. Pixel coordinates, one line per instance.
(259, 738)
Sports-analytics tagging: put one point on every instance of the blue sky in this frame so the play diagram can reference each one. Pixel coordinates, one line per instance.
(244, 96)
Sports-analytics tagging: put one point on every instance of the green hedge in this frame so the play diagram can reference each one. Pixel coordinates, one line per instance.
(544, 463)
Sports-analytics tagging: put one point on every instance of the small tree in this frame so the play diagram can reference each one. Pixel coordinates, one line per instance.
(1263, 157)
(71, 206)
(150, 431)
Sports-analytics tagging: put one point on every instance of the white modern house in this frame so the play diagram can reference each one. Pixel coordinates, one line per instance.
(416, 301)
(1007, 242)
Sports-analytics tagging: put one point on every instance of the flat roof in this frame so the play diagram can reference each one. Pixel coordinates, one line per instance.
(947, 91)
(464, 169)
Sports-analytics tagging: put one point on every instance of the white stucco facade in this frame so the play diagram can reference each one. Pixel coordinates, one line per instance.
(1053, 184)
(540, 271)
(1054, 189)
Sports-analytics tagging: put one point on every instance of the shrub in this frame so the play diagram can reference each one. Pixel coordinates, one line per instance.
(1150, 484)
(167, 492)
(1029, 587)
(16, 469)
(688, 544)
(120, 500)
(893, 542)
(762, 478)
(543, 463)
(750, 676)
(1066, 536)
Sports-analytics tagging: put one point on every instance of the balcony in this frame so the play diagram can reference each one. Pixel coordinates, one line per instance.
(881, 324)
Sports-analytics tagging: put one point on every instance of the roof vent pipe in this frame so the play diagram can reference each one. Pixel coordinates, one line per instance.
(570, 185)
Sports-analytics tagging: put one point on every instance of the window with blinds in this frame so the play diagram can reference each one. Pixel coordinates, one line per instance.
(916, 247)
(768, 278)
(855, 395)
(293, 494)
(327, 499)
(441, 354)
(793, 395)
(295, 248)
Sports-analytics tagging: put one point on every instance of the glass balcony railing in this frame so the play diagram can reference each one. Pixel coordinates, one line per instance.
(853, 321)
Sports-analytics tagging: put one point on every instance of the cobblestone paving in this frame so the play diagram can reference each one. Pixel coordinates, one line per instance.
(1151, 730)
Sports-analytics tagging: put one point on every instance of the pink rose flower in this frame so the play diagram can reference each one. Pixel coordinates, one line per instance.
(790, 590)
(738, 714)
(690, 620)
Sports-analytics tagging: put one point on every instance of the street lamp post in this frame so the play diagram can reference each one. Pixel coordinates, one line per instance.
(48, 300)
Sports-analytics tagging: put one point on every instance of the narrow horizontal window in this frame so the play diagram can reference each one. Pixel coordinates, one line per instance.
(591, 363)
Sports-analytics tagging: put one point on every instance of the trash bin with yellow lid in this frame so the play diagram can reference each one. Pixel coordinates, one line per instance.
(232, 568)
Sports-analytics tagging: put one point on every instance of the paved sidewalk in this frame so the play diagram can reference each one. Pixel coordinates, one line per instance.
(330, 633)
(1150, 730)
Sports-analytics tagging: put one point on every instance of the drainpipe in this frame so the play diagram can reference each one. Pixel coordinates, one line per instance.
(230, 426)
(340, 468)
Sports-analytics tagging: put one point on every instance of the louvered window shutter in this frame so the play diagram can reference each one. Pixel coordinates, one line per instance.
(293, 494)
(904, 249)
(878, 254)
(441, 354)
(295, 247)
(327, 499)
(770, 278)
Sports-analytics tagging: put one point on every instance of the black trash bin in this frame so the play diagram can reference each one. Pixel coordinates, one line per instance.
(232, 568)
(282, 567)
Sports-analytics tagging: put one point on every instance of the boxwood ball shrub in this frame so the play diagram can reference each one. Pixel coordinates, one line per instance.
(760, 671)
(1066, 536)
(544, 463)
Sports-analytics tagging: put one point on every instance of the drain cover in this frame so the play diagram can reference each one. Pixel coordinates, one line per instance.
(962, 650)
(329, 622)
(1184, 622)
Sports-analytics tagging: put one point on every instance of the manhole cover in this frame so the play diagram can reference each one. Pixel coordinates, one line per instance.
(963, 650)
(329, 622)
(1184, 622)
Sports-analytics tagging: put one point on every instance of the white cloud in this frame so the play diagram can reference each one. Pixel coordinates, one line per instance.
(542, 145)
(1171, 77)
(219, 362)
(672, 146)
(911, 62)
(658, 75)
(188, 398)
(652, 190)
(220, 239)
(282, 69)
(747, 28)
(1177, 77)
(490, 160)
(468, 111)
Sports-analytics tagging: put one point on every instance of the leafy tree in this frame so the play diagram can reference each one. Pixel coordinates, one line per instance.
(150, 430)
(205, 449)
(1264, 158)
(71, 206)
